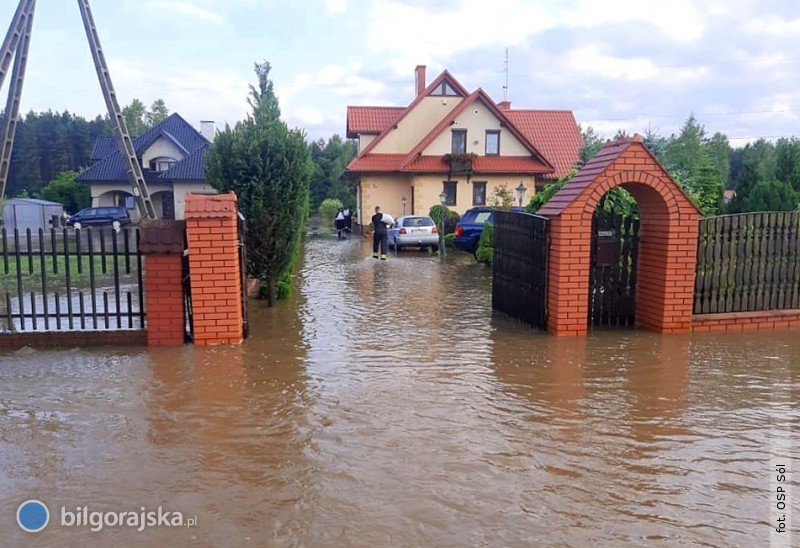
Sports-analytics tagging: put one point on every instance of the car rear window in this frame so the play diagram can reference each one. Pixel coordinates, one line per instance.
(483, 217)
(418, 221)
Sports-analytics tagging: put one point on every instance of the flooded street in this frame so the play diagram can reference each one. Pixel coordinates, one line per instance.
(387, 406)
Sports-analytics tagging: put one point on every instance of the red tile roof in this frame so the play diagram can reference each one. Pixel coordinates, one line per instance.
(382, 163)
(591, 171)
(377, 162)
(552, 136)
(210, 206)
(554, 133)
(371, 120)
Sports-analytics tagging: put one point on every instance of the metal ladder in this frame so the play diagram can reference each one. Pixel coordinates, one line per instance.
(16, 45)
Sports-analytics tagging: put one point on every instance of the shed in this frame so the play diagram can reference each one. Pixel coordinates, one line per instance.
(25, 213)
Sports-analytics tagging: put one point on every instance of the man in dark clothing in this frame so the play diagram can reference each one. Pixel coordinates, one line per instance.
(380, 236)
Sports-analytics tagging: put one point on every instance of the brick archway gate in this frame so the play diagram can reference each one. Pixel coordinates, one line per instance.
(667, 241)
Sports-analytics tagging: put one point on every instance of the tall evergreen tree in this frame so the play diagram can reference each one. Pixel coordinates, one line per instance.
(269, 167)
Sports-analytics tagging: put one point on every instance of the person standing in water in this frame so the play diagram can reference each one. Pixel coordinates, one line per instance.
(380, 235)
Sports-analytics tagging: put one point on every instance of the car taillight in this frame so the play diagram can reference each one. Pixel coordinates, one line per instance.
(403, 231)
(459, 231)
(435, 230)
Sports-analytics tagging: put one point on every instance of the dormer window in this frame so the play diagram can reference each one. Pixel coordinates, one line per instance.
(162, 164)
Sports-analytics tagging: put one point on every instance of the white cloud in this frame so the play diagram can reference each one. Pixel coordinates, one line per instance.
(307, 115)
(185, 8)
(415, 35)
(336, 6)
(773, 25)
(679, 19)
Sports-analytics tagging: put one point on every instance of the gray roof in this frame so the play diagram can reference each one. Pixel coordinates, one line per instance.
(191, 168)
(102, 148)
(31, 201)
(111, 168)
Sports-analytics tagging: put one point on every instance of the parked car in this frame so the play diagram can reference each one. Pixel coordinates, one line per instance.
(470, 227)
(414, 230)
(100, 216)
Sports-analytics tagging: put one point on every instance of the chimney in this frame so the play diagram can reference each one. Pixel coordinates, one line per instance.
(421, 85)
(208, 129)
(504, 105)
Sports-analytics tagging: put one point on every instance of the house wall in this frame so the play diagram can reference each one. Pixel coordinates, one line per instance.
(364, 140)
(180, 190)
(419, 122)
(161, 148)
(428, 187)
(386, 191)
(476, 120)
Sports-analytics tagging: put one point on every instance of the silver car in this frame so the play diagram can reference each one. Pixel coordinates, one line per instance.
(414, 230)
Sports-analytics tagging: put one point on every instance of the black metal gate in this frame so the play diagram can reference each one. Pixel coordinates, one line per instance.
(188, 313)
(519, 283)
(612, 285)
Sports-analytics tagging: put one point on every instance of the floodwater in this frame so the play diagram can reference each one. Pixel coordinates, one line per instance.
(387, 406)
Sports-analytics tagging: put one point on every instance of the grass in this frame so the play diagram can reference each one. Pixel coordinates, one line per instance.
(80, 272)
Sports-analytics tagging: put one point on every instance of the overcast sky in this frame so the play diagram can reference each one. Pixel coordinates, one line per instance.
(618, 64)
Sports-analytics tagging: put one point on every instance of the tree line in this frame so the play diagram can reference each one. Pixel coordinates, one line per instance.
(764, 176)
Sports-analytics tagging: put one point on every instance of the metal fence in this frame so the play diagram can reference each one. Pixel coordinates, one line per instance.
(71, 280)
(520, 267)
(748, 262)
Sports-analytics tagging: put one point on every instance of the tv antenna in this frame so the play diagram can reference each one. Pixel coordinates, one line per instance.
(505, 87)
(16, 46)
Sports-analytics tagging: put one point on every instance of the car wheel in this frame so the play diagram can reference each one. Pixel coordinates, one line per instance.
(76, 226)
(116, 225)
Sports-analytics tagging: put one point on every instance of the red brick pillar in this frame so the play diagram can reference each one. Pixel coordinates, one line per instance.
(216, 281)
(161, 244)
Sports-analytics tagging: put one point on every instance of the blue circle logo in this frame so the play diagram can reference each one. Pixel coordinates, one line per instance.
(33, 516)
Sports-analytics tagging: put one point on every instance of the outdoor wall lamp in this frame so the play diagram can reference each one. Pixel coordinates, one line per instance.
(521, 190)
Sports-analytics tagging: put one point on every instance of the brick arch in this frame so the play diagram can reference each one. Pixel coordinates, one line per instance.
(667, 243)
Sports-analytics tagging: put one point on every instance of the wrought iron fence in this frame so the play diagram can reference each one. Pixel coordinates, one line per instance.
(71, 280)
(748, 262)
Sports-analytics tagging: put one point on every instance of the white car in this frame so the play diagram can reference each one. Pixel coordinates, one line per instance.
(414, 231)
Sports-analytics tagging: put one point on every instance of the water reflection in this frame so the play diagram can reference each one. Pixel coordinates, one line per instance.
(386, 405)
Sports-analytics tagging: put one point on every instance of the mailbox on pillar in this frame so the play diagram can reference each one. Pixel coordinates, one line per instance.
(608, 247)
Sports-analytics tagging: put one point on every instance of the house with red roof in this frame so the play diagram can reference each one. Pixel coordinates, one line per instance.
(457, 143)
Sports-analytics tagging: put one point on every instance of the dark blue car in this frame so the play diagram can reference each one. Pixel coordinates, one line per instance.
(470, 227)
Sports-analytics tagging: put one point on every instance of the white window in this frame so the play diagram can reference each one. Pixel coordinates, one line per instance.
(162, 164)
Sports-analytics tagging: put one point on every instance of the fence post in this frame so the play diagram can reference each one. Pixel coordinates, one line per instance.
(214, 268)
(161, 244)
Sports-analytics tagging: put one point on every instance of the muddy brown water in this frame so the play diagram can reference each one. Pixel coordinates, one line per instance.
(385, 405)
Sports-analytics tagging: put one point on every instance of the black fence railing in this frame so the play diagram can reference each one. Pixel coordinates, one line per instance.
(71, 280)
(747, 263)
(520, 266)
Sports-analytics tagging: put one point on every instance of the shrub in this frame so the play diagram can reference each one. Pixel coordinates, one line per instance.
(485, 251)
(451, 218)
(448, 240)
(328, 209)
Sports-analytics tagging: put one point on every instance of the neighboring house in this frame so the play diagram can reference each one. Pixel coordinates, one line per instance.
(172, 156)
(451, 141)
(30, 213)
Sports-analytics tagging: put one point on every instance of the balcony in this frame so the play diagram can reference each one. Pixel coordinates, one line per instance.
(460, 163)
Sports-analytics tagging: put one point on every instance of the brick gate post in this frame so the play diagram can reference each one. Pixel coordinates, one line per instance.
(161, 243)
(215, 276)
